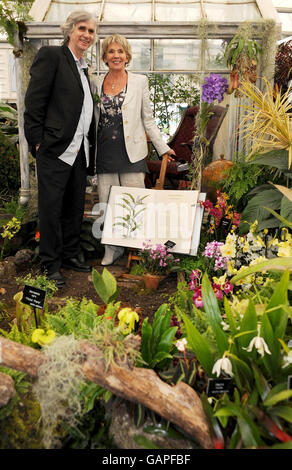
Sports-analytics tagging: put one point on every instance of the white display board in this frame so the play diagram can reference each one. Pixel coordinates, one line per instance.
(137, 215)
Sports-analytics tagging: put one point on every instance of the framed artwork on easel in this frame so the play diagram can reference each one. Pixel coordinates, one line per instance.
(136, 215)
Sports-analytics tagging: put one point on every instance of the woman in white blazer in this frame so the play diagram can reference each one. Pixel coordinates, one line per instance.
(123, 115)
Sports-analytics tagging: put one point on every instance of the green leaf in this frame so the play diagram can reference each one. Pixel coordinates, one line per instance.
(248, 323)
(145, 443)
(274, 264)
(249, 431)
(281, 396)
(199, 345)
(277, 316)
(159, 356)
(146, 347)
(284, 412)
(284, 445)
(166, 341)
(286, 208)
(213, 314)
(243, 367)
(230, 316)
(284, 221)
(271, 361)
(262, 385)
(99, 285)
(274, 158)
(254, 209)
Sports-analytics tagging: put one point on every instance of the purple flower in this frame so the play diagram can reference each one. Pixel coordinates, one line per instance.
(214, 88)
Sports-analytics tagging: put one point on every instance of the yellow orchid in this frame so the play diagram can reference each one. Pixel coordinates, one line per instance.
(127, 318)
(220, 280)
(228, 250)
(246, 247)
(231, 270)
(285, 249)
(40, 337)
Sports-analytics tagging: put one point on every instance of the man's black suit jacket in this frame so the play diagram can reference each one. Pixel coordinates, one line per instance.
(53, 103)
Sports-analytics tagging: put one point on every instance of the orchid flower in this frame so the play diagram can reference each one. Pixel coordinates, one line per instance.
(259, 343)
(223, 365)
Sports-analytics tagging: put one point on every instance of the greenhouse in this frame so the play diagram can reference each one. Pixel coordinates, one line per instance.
(146, 225)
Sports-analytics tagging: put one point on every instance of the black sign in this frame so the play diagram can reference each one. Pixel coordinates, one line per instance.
(289, 382)
(169, 244)
(33, 296)
(217, 386)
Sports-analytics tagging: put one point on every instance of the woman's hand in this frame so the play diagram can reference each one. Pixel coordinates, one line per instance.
(169, 153)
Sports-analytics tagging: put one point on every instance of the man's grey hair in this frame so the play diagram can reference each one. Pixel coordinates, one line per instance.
(72, 20)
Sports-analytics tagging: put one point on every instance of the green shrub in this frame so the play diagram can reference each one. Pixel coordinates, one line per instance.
(9, 165)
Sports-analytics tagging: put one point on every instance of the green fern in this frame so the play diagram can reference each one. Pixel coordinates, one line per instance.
(76, 317)
(19, 335)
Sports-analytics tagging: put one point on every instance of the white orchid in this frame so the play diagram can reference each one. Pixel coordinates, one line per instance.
(287, 360)
(222, 365)
(181, 344)
(259, 343)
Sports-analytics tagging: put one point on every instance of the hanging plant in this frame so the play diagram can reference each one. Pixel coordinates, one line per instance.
(283, 69)
(242, 56)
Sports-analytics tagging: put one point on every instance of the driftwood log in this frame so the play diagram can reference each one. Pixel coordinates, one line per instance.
(179, 404)
(7, 389)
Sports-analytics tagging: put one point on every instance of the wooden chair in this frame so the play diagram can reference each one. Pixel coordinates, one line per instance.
(181, 142)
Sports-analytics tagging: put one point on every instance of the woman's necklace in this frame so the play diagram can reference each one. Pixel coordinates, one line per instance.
(114, 84)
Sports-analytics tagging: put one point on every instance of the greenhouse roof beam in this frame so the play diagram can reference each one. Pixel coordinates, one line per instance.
(147, 30)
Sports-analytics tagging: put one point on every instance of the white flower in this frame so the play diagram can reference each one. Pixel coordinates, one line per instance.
(225, 326)
(222, 365)
(287, 360)
(181, 344)
(259, 343)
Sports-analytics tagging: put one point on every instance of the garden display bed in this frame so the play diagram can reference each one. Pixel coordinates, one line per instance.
(79, 285)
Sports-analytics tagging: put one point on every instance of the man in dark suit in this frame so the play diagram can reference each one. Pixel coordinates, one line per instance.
(59, 127)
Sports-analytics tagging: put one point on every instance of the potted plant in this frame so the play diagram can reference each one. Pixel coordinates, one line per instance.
(157, 262)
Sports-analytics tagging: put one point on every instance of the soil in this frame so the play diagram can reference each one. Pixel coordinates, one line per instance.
(79, 285)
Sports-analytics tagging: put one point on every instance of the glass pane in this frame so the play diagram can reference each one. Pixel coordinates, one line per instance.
(282, 3)
(131, 11)
(286, 20)
(164, 12)
(177, 54)
(230, 12)
(60, 11)
(214, 55)
(141, 54)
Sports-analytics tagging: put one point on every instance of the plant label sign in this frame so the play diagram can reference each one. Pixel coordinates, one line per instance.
(218, 386)
(169, 244)
(33, 296)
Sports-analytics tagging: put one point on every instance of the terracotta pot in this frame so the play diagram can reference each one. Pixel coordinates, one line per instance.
(152, 281)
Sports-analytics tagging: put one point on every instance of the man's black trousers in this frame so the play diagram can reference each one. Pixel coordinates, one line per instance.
(61, 195)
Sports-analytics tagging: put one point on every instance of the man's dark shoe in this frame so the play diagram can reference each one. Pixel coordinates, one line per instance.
(76, 265)
(57, 277)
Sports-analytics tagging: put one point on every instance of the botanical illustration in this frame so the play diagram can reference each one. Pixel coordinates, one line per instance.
(131, 221)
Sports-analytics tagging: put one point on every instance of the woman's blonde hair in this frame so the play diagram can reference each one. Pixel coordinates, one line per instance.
(120, 40)
(72, 20)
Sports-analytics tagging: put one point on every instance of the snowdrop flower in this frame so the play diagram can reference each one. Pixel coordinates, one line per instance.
(181, 344)
(222, 365)
(259, 343)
